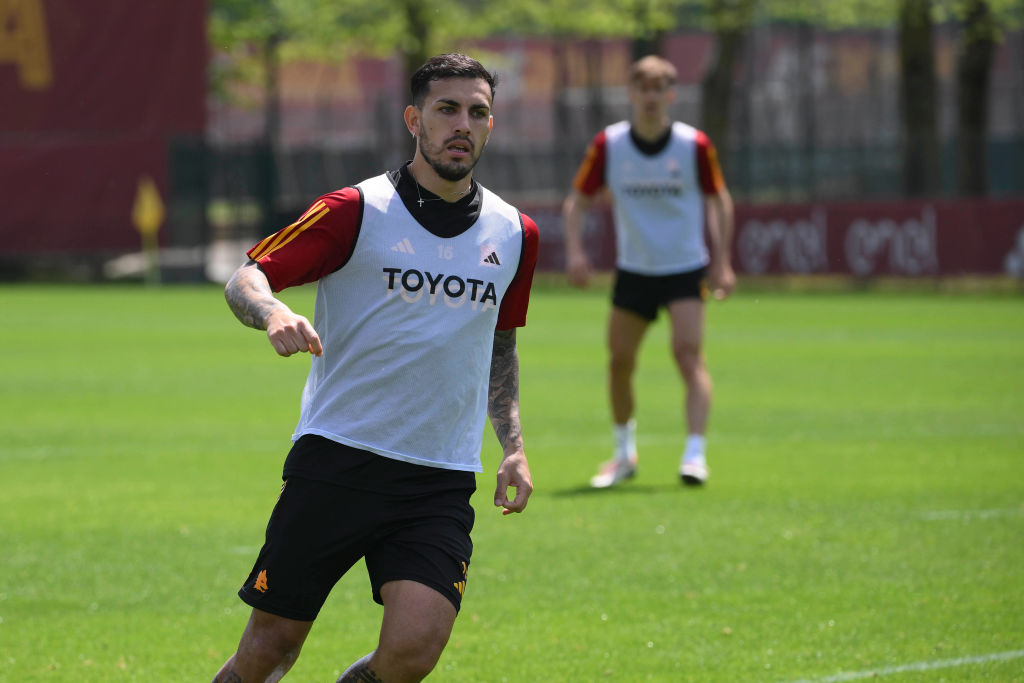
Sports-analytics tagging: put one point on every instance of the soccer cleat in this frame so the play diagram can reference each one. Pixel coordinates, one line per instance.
(694, 472)
(614, 472)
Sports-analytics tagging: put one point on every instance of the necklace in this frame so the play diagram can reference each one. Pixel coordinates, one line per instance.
(420, 198)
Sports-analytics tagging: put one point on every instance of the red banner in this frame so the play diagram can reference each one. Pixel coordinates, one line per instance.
(906, 238)
(93, 93)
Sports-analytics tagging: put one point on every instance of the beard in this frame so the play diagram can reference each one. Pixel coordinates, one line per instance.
(451, 171)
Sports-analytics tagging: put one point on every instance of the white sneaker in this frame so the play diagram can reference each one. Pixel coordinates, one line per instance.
(694, 472)
(614, 472)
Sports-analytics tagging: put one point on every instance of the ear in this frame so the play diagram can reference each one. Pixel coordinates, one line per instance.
(412, 120)
(490, 128)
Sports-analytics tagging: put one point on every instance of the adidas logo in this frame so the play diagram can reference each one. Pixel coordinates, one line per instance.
(493, 259)
(405, 246)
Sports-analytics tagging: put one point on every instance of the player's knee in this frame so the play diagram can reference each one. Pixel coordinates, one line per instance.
(411, 666)
(688, 358)
(274, 649)
(412, 660)
(621, 363)
(418, 668)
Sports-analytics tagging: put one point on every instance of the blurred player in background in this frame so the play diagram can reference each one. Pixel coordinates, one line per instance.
(666, 185)
(423, 276)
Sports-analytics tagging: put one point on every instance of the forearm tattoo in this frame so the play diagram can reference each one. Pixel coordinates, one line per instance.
(249, 296)
(503, 392)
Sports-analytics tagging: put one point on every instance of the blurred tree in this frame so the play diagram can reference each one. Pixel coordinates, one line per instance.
(252, 31)
(730, 21)
(981, 24)
(978, 38)
(652, 20)
(918, 104)
(253, 36)
(645, 22)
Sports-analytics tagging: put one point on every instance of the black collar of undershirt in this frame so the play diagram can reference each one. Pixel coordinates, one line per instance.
(651, 148)
(440, 218)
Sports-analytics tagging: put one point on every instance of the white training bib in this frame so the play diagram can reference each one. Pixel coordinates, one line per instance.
(659, 204)
(407, 325)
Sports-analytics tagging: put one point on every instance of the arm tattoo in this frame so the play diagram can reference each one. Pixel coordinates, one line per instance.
(503, 392)
(249, 296)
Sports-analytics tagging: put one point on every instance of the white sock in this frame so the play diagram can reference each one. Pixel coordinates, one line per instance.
(695, 444)
(625, 440)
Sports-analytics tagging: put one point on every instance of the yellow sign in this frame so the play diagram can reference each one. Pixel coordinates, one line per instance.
(148, 211)
(23, 41)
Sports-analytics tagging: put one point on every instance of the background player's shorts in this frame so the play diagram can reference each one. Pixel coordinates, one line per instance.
(319, 530)
(645, 294)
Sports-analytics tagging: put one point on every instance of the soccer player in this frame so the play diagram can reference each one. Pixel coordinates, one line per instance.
(664, 180)
(423, 276)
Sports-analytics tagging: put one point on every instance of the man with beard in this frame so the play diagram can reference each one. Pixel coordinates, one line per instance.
(422, 277)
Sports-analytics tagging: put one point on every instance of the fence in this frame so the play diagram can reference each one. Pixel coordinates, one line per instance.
(814, 121)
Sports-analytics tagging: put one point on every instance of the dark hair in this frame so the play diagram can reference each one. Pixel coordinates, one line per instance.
(452, 65)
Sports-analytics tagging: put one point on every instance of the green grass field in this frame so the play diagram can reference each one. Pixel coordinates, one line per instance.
(865, 514)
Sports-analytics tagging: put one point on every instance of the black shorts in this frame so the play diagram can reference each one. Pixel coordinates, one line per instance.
(319, 530)
(645, 294)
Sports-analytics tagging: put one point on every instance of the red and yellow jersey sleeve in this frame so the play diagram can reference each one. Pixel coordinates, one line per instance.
(590, 176)
(512, 312)
(315, 245)
(708, 169)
